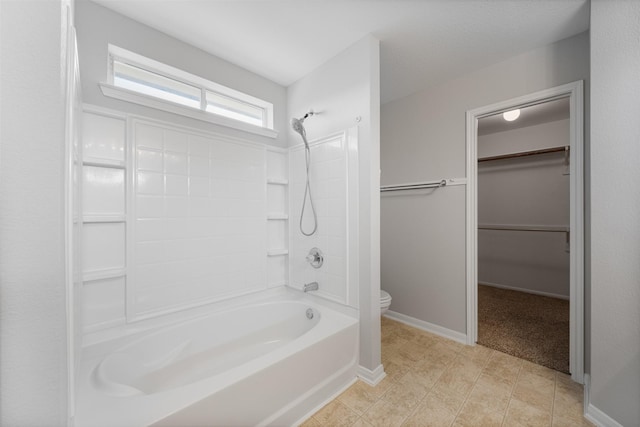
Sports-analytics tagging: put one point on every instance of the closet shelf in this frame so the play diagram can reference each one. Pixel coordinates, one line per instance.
(525, 153)
(509, 227)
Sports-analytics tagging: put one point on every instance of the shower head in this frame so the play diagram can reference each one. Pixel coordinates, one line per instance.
(297, 126)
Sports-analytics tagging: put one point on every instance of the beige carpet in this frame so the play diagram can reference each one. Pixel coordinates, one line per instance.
(531, 327)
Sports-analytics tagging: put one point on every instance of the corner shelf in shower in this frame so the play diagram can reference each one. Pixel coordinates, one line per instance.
(277, 216)
(277, 181)
(104, 163)
(103, 218)
(112, 273)
(277, 252)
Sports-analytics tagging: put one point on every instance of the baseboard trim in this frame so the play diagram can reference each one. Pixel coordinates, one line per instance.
(593, 414)
(426, 326)
(371, 377)
(526, 291)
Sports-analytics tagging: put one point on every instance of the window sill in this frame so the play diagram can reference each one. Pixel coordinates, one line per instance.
(148, 101)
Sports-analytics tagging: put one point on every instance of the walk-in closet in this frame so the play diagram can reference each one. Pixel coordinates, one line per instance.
(523, 233)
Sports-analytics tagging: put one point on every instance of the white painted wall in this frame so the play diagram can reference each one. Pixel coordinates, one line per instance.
(33, 346)
(98, 26)
(615, 209)
(423, 139)
(343, 89)
(530, 190)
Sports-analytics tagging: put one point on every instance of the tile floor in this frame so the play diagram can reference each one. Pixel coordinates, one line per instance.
(433, 381)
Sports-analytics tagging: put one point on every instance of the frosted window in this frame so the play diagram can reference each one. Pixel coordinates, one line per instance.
(142, 81)
(234, 109)
(146, 76)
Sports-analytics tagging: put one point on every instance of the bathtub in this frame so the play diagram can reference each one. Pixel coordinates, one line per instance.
(267, 362)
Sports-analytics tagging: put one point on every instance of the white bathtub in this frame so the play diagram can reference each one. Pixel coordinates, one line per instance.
(264, 363)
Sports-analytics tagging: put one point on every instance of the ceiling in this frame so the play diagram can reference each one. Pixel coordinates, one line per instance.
(422, 42)
(545, 112)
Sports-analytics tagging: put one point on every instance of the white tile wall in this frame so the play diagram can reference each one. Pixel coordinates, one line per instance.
(277, 207)
(103, 137)
(103, 247)
(329, 190)
(103, 191)
(200, 208)
(102, 302)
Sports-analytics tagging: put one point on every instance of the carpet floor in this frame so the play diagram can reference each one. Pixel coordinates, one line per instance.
(532, 327)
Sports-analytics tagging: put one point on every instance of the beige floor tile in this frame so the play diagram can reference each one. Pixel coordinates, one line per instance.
(432, 411)
(474, 414)
(359, 397)
(452, 383)
(534, 380)
(567, 403)
(570, 422)
(434, 381)
(491, 392)
(476, 352)
(523, 414)
(361, 423)
(503, 368)
(413, 379)
(385, 414)
(311, 422)
(405, 396)
(535, 390)
(467, 367)
(394, 370)
(407, 332)
(412, 351)
(336, 414)
(539, 370)
(428, 372)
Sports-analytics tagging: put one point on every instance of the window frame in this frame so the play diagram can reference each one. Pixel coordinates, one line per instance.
(118, 54)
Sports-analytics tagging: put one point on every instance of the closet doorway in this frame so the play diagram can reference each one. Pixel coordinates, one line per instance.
(523, 233)
(525, 228)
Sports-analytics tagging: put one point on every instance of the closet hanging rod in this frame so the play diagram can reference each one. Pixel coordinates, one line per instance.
(416, 186)
(543, 228)
(525, 153)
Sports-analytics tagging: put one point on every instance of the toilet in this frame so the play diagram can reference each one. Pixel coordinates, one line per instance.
(385, 301)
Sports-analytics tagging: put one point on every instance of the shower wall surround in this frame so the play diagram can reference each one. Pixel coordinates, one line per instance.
(175, 217)
(331, 185)
(199, 212)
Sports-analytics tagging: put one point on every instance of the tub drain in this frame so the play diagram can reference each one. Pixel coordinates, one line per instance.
(309, 313)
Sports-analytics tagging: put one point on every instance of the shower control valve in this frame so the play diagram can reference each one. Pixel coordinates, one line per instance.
(315, 258)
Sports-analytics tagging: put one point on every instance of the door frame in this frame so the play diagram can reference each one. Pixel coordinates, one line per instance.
(574, 91)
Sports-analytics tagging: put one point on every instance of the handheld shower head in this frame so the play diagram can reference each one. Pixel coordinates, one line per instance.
(297, 126)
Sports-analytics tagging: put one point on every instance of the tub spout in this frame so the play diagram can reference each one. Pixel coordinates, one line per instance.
(313, 286)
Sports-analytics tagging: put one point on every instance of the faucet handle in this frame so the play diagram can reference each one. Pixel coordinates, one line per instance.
(315, 258)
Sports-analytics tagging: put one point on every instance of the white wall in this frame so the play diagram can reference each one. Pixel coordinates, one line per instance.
(98, 26)
(33, 369)
(423, 139)
(531, 190)
(615, 208)
(345, 88)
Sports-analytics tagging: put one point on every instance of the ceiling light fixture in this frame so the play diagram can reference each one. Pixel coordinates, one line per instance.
(511, 115)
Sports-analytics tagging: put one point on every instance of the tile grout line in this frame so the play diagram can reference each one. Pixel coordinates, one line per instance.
(513, 389)
(486, 363)
(553, 403)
